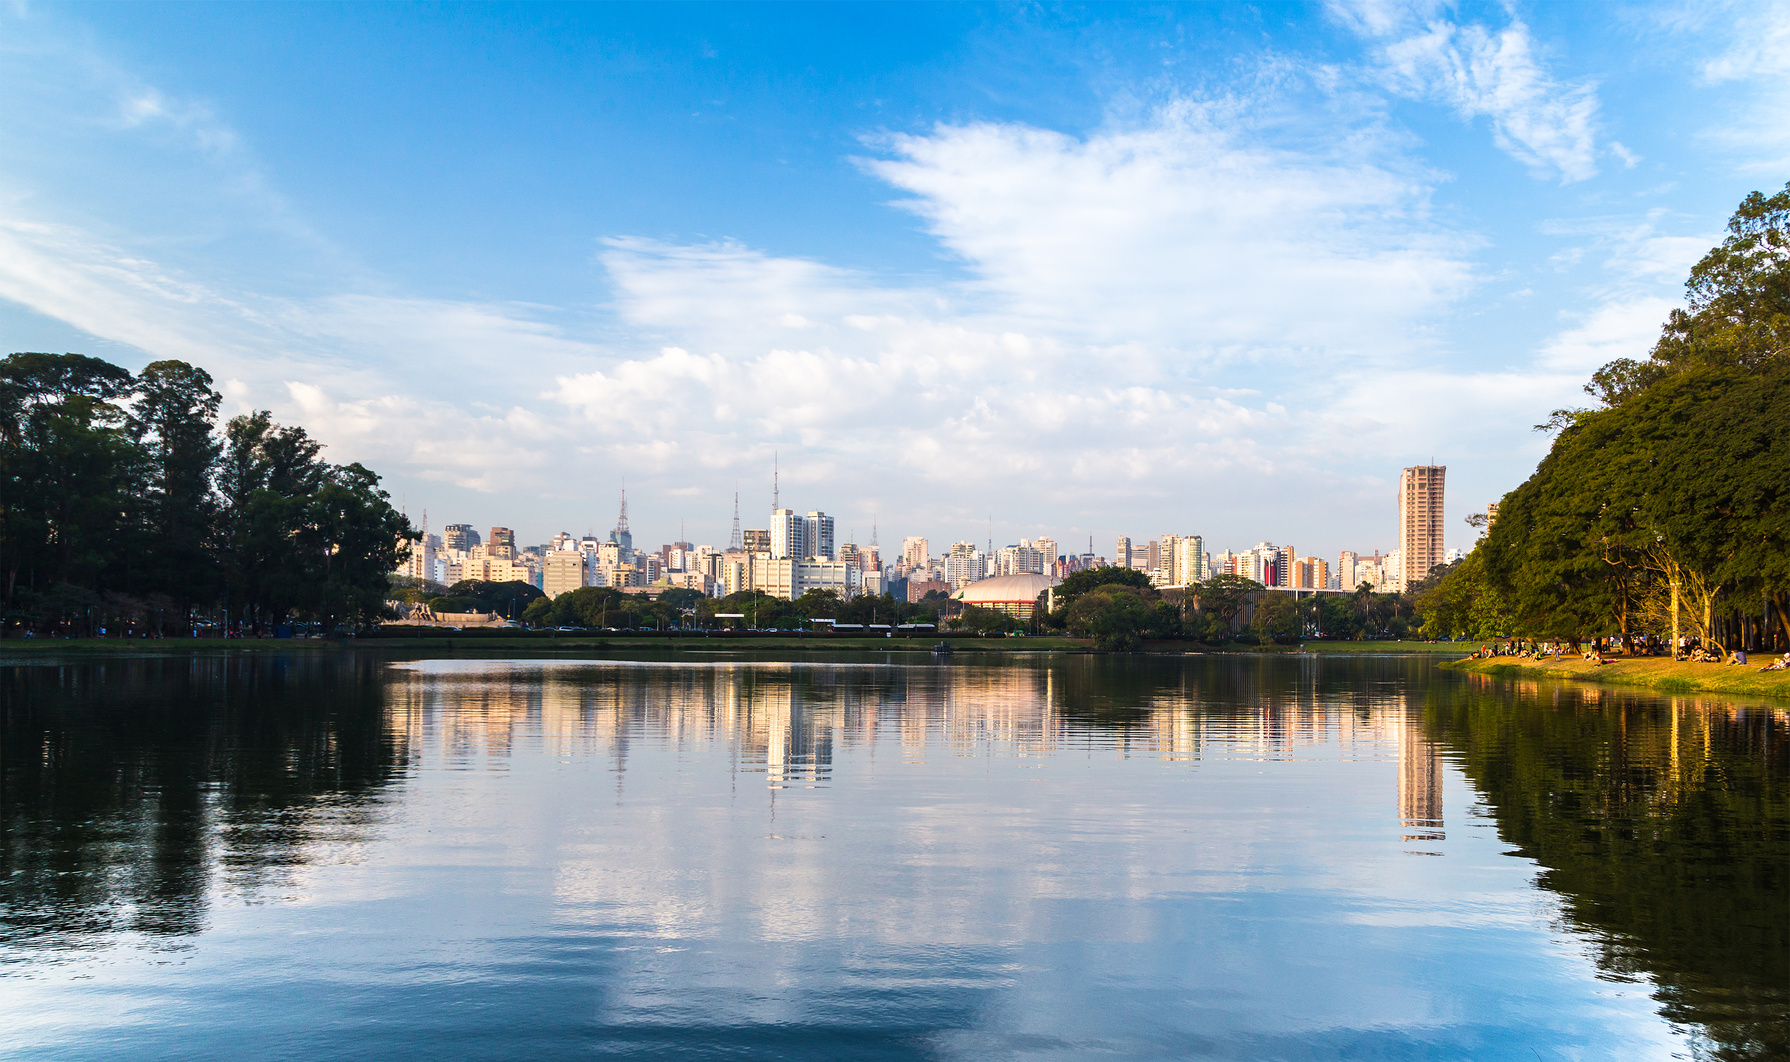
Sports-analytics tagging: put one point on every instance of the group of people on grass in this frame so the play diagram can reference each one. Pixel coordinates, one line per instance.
(1690, 648)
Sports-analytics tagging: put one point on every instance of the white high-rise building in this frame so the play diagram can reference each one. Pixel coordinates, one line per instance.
(1420, 521)
(817, 534)
(914, 552)
(1186, 560)
(1022, 559)
(789, 535)
(563, 571)
(964, 564)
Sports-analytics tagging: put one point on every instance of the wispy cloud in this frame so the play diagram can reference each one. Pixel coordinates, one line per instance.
(1755, 57)
(1544, 122)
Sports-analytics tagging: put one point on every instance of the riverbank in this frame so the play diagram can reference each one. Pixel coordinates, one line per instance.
(1654, 673)
(495, 641)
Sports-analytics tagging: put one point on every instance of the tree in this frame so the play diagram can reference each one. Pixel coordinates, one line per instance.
(172, 421)
(982, 620)
(350, 538)
(118, 489)
(265, 477)
(1115, 615)
(1738, 307)
(1079, 583)
(1281, 617)
(66, 466)
(818, 604)
(1224, 595)
(1686, 483)
(510, 599)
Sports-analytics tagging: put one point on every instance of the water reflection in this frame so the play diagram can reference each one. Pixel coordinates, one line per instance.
(960, 856)
(131, 788)
(1664, 824)
(785, 720)
(1419, 782)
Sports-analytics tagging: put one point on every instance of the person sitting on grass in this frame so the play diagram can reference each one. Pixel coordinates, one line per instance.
(1778, 665)
(1737, 657)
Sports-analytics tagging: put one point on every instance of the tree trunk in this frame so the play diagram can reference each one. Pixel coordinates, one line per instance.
(1674, 581)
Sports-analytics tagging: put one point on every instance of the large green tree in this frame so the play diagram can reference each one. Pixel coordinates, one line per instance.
(66, 470)
(172, 421)
(1667, 509)
(120, 501)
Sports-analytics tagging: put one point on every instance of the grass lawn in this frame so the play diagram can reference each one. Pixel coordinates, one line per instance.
(1657, 673)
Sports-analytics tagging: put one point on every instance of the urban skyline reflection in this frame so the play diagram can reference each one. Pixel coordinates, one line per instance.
(1003, 846)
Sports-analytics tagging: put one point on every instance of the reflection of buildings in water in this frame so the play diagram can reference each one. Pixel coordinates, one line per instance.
(786, 720)
(1419, 781)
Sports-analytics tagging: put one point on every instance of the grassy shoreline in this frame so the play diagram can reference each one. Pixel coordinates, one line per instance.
(1654, 673)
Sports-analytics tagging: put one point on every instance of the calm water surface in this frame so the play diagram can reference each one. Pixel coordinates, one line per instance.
(1221, 857)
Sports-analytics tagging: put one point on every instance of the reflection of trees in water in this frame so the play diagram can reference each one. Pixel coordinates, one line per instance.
(1664, 826)
(131, 786)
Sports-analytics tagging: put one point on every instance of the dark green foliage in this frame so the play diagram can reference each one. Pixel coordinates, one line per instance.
(979, 620)
(595, 607)
(119, 488)
(1668, 510)
(1223, 596)
(1116, 615)
(508, 599)
(1283, 618)
(1079, 583)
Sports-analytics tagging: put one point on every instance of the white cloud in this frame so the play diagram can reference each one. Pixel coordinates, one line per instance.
(1196, 316)
(1755, 58)
(1625, 328)
(1545, 123)
(1187, 229)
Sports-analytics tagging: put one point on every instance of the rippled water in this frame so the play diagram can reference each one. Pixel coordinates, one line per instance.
(1218, 857)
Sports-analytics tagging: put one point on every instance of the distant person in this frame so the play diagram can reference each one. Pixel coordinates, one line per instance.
(1778, 665)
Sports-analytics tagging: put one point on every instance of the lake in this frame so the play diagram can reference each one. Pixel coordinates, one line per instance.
(724, 856)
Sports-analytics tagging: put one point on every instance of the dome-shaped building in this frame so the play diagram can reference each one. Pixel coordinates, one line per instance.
(1013, 594)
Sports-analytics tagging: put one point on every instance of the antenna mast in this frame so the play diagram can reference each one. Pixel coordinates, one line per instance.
(736, 544)
(776, 502)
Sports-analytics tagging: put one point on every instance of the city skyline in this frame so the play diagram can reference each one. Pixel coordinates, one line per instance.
(800, 552)
(1452, 541)
(1206, 266)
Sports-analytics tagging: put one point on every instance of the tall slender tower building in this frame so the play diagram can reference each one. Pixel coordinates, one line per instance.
(621, 536)
(1419, 521)
(734, 542)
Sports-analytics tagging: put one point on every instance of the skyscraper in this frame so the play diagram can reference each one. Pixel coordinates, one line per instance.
(789, 535)
(1419, 521)
(914, 552)
(817, 534)
(459, 536)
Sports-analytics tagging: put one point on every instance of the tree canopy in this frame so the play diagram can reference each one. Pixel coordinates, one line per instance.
(120, 500)
(1666, 509)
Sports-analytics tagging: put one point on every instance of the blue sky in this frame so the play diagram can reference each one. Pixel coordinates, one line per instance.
(1213, 269)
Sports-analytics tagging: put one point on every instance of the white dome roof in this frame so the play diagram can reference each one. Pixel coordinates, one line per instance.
(1006, 590)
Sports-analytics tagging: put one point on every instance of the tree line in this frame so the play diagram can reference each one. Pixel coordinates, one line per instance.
(1662, 512)
(124, 505)
(598, 607)
(1118, 609)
